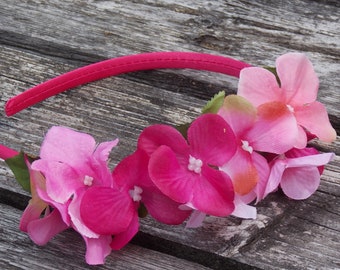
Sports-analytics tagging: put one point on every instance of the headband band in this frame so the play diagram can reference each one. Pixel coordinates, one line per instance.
(223, 163)
(125, 64)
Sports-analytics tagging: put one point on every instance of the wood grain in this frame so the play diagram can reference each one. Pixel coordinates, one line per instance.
(42, 39)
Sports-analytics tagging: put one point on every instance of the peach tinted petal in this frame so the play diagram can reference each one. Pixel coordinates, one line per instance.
(239, 113)
(259, 86)
(315, 119)
(298, 78)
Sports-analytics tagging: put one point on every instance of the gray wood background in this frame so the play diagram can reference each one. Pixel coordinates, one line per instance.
(40, 39)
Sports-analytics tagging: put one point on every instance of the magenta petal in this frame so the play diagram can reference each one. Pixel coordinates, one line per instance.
(211, 139)
(97, 249)
(133, 171)
(66, 145)
(154, 136)
(123, 238)
(300, 183)
(298, 78)
(259, 86)
(106, 211)
(167, 174)
(162, 208)
(213, 193)
(32, 212)
(315, 119)
(42, 230)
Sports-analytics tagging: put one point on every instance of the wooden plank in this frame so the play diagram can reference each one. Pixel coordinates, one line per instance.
(66, 251)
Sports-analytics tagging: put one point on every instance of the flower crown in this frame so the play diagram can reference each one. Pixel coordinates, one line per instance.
(241, 148)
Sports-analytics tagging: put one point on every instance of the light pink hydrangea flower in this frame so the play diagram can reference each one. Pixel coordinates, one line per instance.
(70, 163)
(297, 90)
(297, 172)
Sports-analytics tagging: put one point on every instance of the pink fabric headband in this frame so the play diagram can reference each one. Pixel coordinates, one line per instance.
(241, 148)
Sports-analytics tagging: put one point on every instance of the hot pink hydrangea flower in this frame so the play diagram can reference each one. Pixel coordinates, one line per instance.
(188, 172)
(297, 172)
(70, 163)
(132, 179)
(297, 90)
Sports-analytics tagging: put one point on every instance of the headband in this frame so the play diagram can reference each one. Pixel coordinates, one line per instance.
(241, 148)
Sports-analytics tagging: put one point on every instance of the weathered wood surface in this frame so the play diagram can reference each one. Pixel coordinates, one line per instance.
(41, 39)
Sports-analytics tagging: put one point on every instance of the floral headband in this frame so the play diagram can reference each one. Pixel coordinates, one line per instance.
(241, 148)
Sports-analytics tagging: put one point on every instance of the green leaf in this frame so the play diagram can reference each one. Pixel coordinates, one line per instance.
(215, 103)
(19, 168)
(183, 129)
(273, 70)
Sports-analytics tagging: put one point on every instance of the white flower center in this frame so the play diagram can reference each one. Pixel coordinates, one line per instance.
(195, 165)
(290, 108)
(135, 193)
(247, 147)
(88, 180)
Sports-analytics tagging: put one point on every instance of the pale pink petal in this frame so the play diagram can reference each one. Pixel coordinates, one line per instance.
(61, 179)
(97, 249)
(275, 176)
(310, 161)
(241, 171)
(74, 211)
(66, 145)
(213, 193)
(154, 136)
(103, 150)
(173, 180)
(302, 138)
(196, 219)
(315, 119)
(276, 130)
(300, 183)
(123, 238)
(243, 210)
(239, 113)
(106, 210)
(259, 86)
(211, 139)
(42, 230)
(263, 171)
(162, 208)
(298, 78)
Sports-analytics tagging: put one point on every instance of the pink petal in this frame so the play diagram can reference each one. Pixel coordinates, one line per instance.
(243, 210)
(310, 161)
(259, 86)
(154, 136)
(61, 179)
(213, 193)
(32, 212)
(275, 176)
(242, 172)
(173, 180)
(302, 138)
(298, 78)
(106, 211)
(196, 219)
(42, 230)
(74, 211)
(97, 249)
(123, 238)
(103, 150)
(239, 113)
(300, 183)
(276, 130)
(211, 139)
(263, 171)
(315, 119)
(162, 208)
(66, 145)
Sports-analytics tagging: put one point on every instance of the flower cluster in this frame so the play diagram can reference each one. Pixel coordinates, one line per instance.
(242, 148)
